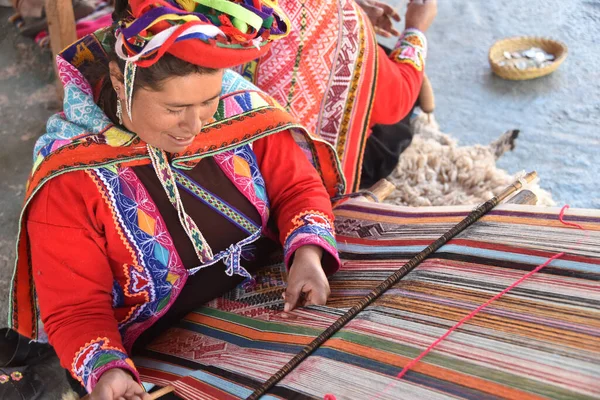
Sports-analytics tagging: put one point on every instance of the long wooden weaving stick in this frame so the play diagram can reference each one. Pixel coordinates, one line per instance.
(479, 212)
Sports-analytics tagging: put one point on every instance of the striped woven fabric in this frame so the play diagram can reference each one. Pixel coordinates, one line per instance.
(540, 340)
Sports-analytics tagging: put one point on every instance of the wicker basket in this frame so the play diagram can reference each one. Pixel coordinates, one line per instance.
(510, 71)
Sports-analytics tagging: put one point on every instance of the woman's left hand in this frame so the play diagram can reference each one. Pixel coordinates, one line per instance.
(307, 283)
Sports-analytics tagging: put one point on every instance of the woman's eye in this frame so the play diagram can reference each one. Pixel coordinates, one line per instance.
(174, 111)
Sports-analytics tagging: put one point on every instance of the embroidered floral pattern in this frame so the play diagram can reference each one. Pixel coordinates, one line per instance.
(157, 272)
(240, 103)
(84, 115)
(16, 376)
(241, 168)
(69, 75)
(232, 83)
(310, 227)
(411, 49)
(96, 357)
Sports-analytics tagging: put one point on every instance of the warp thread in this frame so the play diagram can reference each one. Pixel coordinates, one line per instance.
(413, 362)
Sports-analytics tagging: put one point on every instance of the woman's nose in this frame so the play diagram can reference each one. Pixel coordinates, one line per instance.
(192, 121)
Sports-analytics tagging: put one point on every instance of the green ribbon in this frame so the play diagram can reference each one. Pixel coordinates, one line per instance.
(239, 13)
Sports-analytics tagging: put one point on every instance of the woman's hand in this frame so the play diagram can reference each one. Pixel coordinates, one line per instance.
(420, 14)
(118, 384)
(307, 283)
(381, 15)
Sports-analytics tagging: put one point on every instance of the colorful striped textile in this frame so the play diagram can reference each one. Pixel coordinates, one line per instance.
(541, 340)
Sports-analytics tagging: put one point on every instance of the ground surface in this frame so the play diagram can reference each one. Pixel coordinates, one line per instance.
(27, 99)
(559, 115)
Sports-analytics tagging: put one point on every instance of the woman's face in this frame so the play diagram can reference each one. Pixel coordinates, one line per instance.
(170, 118)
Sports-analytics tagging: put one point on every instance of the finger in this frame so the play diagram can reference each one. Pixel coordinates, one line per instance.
(317, 297)
(389, 11)
(382, 32)
(139, 393)
(133, 391)
(291, 297)
(303, 297)
(146, 396)
(319, 294)
(101, 393)
(377, 11)
(389, 28)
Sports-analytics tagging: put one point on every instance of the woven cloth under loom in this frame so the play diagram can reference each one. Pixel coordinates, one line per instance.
(541, 340)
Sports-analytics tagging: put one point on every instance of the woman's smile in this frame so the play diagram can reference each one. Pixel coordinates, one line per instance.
(183, 140)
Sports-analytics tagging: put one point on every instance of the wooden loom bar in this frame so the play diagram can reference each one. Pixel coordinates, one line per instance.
(381, 190)
(388, 283)
(523, 197)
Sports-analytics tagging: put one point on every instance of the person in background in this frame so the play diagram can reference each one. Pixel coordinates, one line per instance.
(349, 91)
(388, 140)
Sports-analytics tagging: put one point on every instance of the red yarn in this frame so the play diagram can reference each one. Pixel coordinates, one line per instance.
(475, 312)
(561, 218)
(412, 363)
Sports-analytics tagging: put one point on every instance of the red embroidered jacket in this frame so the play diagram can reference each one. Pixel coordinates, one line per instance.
(94, 244)
(81, 258)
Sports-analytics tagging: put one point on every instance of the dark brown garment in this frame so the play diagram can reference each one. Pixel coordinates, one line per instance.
(220, 233)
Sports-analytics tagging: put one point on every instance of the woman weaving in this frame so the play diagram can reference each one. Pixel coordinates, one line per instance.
(157, 186)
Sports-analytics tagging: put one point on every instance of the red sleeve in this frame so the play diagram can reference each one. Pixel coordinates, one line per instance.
(73, 278)
(299, 202)
(399, 78)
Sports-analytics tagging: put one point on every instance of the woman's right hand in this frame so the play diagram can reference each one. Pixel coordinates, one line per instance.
(381, 15)
(420, 14)
(118, 384)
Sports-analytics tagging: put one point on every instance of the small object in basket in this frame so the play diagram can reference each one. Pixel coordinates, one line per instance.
(540, 57)
(522, 65)
(532, 52)
(533, 57)
(533, 63)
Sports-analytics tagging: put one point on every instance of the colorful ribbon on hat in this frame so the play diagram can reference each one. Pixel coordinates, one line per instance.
(155, 26)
